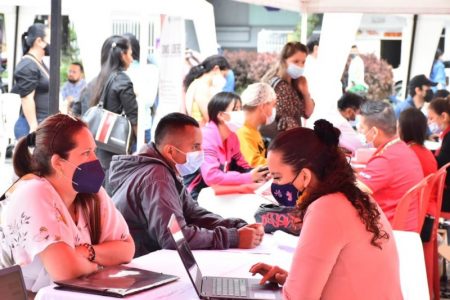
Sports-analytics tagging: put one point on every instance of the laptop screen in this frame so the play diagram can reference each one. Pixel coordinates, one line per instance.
(11, 284)
(185, 253)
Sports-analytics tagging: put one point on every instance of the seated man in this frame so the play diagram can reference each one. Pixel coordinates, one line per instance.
(420, 93)
(348, 106)
(394, 168)
(147, 189)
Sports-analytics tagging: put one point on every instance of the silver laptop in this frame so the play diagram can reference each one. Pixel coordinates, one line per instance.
(12, 286)
(218, 287)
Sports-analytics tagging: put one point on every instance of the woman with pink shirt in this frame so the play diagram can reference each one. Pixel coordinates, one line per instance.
(346, 249)
(224, 164)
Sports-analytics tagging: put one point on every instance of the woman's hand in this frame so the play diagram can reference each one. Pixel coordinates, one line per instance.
(270, 273)
(259, 174)
(302, 86)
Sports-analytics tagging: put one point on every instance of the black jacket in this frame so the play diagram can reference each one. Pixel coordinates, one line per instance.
(121, 97)
(147, 191)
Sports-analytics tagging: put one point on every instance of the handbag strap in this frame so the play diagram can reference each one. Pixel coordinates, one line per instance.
(105, 90)
(38, 63)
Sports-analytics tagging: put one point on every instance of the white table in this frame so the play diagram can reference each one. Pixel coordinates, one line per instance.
(432, 145)
(233, 262)
(275, 249)
(241, 206)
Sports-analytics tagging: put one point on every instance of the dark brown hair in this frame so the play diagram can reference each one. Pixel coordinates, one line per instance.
(219, 103)
(55, 136)
(440, 105)
(206, 66)
(413, 126)
(318, 151)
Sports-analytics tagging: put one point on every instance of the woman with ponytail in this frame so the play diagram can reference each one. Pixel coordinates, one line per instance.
(58, 223)
(31, 80)
(346, 248)
(202, 83)
(117, 86)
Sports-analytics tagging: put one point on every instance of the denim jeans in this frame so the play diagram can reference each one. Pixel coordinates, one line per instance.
(21, 128)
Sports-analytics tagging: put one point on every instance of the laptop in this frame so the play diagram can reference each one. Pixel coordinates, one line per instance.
(12, 286)
(218, 287)
(116, 281)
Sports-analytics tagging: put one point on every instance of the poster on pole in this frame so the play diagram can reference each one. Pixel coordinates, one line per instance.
(172, 43)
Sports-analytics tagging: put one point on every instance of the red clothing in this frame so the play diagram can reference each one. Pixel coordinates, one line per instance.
(426, 158)
(335, 260)
(390, 173)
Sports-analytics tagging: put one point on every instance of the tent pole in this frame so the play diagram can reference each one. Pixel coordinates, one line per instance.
(16, 30)
(55, 55)
(411, 51)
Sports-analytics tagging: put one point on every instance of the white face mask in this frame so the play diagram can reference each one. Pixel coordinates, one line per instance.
(193, 162)
(365, 141)
(236, 121)
(294, 71)
(434, 127)
(270, 119)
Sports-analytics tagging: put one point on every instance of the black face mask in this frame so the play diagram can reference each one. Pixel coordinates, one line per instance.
(47, 50)
(429, 96)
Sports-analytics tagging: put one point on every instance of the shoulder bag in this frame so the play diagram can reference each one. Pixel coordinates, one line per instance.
(111, 131)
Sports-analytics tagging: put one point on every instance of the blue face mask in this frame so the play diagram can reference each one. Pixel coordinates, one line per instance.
(294, 71)
(286, 194)
(193, 162)
(88, 177)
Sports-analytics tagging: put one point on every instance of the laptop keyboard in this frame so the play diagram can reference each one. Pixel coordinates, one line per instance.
(229, 287)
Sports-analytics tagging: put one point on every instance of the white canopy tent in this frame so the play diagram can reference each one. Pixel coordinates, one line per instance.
(361, 6)
(340, 24)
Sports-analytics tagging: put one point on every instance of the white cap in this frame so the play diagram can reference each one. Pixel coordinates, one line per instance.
(257, 93)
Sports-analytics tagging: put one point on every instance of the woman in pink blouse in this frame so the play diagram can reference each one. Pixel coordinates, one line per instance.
(346, 248)
(224, 164)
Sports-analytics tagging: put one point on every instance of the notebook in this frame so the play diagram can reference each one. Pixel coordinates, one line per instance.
(116, 281)
(12, 286)
(218, 287)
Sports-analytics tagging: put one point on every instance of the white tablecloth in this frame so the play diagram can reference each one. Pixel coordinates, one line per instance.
(275, 249)
(241, 206)
(233, 262)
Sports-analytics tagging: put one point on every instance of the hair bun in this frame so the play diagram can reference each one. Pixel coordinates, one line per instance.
(326, 132)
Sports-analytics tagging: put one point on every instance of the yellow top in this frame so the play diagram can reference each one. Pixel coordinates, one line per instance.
(252, 146)
(196, 113)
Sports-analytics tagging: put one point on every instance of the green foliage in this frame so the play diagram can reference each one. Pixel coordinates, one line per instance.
(314, 23)
(378, 76)
(69, 54)
(249, 66)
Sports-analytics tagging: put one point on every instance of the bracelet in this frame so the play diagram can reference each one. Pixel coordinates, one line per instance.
(91, 251)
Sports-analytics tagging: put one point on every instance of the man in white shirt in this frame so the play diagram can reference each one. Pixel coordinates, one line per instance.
(356, 72)
(348, 106)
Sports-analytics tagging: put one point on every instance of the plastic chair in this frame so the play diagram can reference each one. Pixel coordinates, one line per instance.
(413, 278)
(430, 248)
(9, 111)
(419, 192)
